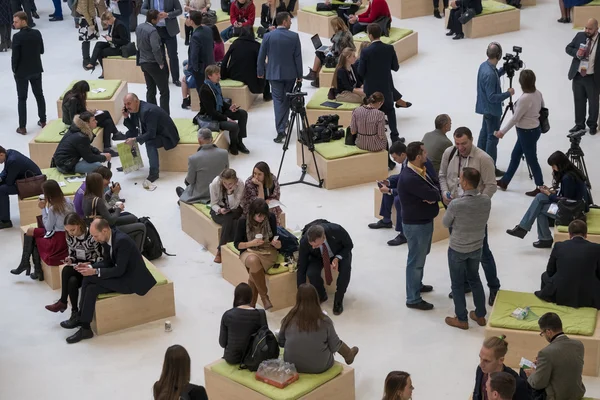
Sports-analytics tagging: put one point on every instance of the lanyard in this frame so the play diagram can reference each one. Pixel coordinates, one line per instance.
(592, 47)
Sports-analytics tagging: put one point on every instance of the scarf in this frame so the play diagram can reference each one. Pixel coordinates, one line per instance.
(253, 228)
(216, 89)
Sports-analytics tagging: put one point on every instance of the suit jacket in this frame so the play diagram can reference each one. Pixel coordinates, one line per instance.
(573, 274)
(523, 392)
(203, 167)
(559, 369)
(571, 50)
(375, 67)
(172, 7)
(150, 122)
(283, 48)
(240, 64)
(27, 49)
(338, 239)
(124, 261)
(17, 166)
(200, 52)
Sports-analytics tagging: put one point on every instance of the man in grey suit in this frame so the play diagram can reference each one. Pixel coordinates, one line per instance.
(282, 47)
(559, 365)
(203, 167)
(168, 29)
(436, 142)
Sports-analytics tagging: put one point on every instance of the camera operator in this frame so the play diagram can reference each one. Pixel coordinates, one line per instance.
(489, 101)
(586, 83)
(462, 11)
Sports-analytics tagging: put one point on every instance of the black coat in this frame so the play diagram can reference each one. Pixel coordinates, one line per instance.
(74, 146)
(158, 129)
(201, 50)
(240, 61)
(70, 108)
(376, 65)
(242, 237)
(571, 50)
(265, 15)
(17, 166)
(6, 12)
(344, 80)
(208, 104)
(120, 34)
(572, 277)
(27, 50)
(523, 391)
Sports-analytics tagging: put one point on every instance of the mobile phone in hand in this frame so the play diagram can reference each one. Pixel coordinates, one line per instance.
(276, 237)
(380, 184)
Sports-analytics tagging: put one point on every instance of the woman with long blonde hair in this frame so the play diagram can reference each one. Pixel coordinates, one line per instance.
(346, 81)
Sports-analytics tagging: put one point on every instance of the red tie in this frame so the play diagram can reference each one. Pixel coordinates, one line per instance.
(326, 264)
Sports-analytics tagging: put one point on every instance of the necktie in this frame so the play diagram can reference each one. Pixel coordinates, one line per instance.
(586, 56)
(107, 254)
(326, 264)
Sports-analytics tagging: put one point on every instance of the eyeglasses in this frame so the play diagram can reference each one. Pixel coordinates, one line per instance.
(542, 332)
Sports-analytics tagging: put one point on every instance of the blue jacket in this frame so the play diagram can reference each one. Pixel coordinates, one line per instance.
(16, 166)
(429, 170)
(489, 92)
(282, 46)
(413, 190)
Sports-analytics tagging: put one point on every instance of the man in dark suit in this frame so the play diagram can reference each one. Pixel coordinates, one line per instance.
(375, 67)
(282, 47)
(327, 246)
(123, 270)
(201, 50)
(572, 277)
(168, 29)
(151, 125)
(585, 82)
(27, 49)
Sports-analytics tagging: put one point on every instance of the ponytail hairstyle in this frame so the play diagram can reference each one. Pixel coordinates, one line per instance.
(498, 344)
(347, 52)
(376, 97)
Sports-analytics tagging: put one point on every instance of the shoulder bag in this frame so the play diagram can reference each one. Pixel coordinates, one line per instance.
(205, 121)
(570, 210)
(128, 50)
(93, 215)
(30, 186)
(544, 123)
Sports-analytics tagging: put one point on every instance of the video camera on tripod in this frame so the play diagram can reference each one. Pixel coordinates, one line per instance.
(512, 62)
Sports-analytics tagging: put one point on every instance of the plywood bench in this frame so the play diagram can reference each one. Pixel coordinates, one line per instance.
(495, 19)
(405, 42)
(117, 67)
(412, 8)
(312, 22)
(197, 223)
(52, 273)
(581, 14)
(561, 233)
(111, 100)
(43, 146)
(326, 77)
(235, 90)
(115, 311)
(314, 109)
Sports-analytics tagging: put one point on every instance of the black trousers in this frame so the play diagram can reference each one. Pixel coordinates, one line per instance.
(23, 5)
(358, 27)
(585, 92)
(228, 224)
(199, 78)
(105, 121)
(188, 34)
(91, 287)
(71, 282)
(103, 50)
(5, 42)
(22, 91)
(171, 43)
(453, 23)
(157, 77)
(237, 130)
(313, 272)
(436, 4)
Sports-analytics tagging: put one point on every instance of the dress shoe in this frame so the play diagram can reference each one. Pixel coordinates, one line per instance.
(101, 76)
(177, 83)
(22, 131)
(54, 19)
(577, 128)
(51, 15)
(562, 20)
(422, 305)
(268, 97)
(324, 299)
(112, 152)
(338, 308)
(501, 185)
(35, 15)
(56, 307)
(426, 289)
(407, 104)
(279, 138)
(533, 193)
(179, 190)
(152, 178)
(593, 131)
(436, 13)
(217, 259)
(81, 334)
(543, 244)
(42, 124)
(458, 36)
(450, 33)
(72, 322)
(243, 149)
(119, 169)
(467, 291)
(499, 173)
(6, 224)
(311, 76)
(315, 83)
(398, 240)
(233, 151)
(492, 298)
(381, 225)
(119, 136)
(456, 323)
(186, 103)
(517, 231)
(480, 320)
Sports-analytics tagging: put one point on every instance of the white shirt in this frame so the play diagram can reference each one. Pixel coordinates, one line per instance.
(592, 56)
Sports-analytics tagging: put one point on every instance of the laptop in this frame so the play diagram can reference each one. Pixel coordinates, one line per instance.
(316, 41)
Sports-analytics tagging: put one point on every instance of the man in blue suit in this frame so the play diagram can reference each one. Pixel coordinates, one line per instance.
(376, 64)
(282, 47)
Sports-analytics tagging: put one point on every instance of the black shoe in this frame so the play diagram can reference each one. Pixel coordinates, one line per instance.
(233, 151)
(186, 103)
(467, 291)
(54, 19)
(499, 173)
(311, 76)
(111, 152)
(577, 128)
(279, 138)
(152, 178)
(118, 136)
(119, 169)
(492, 297)
(391, 165)
(398, 139)
(450, 33)
(72, 322)
(422, 305)
(179, 191)
(35, 15)
(398, 240)
(408, 105)
(101, 76)
(381, 225)
(5, 224)
(458, 36)
(324, 299)
(315, 83)
(243, 149)
(51, 15)
(426, 288)
(436, 13)
(543, 244)
(593, 131)
(80, 335)
(177, 83)
(517, 231)
(338, 307)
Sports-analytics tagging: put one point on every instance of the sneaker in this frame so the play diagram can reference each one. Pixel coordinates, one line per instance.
(577, 128)
(148, 185)
(381, 225)
(422, 305)
(480, 320)
(456, 323)
(398, 240)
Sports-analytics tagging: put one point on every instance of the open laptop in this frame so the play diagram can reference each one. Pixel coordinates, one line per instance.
(316, 41)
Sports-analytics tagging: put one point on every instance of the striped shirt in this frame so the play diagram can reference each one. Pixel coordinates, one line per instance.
(369, 124)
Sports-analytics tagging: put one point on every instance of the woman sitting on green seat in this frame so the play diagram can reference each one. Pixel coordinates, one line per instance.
(255, 239)
(368, 124)
(398, 386)
(239, 323)
(346, 82)
(308, 336)
(262, 184)
(174, 382)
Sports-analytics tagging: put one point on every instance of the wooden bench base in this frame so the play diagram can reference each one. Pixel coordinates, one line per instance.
(123, 69)
(345, 115)
(562, 236)
(412, 8)
(493, 24)
(114, 104)
(315, 24)
(347, 171)
(220, 387)
(42, 153)
(325, 78)
(199, 227)
(581, 15)
(407, 47)
(176, 160)
(28, 210)
(52, 273)
(240, 96)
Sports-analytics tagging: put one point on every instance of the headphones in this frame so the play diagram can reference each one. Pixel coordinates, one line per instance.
(494, 52)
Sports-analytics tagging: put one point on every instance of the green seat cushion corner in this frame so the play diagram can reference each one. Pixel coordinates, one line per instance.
(188, 131)
(222, 15)
(119, 57)
(576, 321)
(229, 83)
(592, 221)
(203, 208)
(313, 10)
(337, 149)
(320, 97)
(111, 86)
(305, 384)
(68, 189)
(54, 131)
(494, 7)
(441, 205)
(158, 277)
(395, 35)
(592, 3)
(276, 269)
(328, 70)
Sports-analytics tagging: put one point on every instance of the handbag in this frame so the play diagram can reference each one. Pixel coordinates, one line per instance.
(350, 139)
(204, 121)
(331, 94)
(128, 50)
(324, 7)
(30, 186)
(544, 123)
(570, 210)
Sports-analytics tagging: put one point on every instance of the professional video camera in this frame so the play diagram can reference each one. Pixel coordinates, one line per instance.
(297, 98)
(575, 138)
(327, 129)
(512, 62)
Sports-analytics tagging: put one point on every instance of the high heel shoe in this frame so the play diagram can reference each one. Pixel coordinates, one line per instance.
(56, 307)
(25, 265)
(19, 270)
(407, 105)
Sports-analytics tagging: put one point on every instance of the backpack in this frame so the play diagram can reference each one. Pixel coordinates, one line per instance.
(289, 242)
(153, 247)
(262, 345)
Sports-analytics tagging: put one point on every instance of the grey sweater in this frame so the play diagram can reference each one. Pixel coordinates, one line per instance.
(467, 216)
(149, 46)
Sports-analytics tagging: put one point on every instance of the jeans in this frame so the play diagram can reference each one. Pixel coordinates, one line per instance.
(281, 103)
(22, 91)
(5, 191)
(57, 8)
(387, 202)
(84, 167)
(227, 33)
(526, 144)
(155, 76)
(538, 210)
(171, 43)
(487, 141)
(419, 243)
(152, 151)
(466, 265)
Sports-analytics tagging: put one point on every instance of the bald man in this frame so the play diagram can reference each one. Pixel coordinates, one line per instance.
(585, 82)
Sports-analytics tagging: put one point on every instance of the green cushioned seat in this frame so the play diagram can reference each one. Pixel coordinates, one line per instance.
(158, 276)
(222, 15)
(328, 70)
(111, 86)
(313, 10)
(225, 83)
(593, 222)
(68, 190)
(259, 40)
(277, 269)
(320, 97)
(395, 35)
(304, 385)
(203, 208)
(53, 132)
(118, 57)
(188, 131)
(592, 3)
(576, 321)
(337, 149)
(494, 7)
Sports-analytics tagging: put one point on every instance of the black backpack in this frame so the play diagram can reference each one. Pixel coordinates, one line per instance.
(289, 242)
(153, 247)
(261, 346)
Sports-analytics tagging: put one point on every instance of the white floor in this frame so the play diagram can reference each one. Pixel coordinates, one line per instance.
(36, 362)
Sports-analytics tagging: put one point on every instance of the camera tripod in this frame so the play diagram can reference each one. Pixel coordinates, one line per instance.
(299, 119)
(575, 154)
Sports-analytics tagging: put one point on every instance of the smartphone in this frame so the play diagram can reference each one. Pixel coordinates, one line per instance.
(380, 184)
(276, 237)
